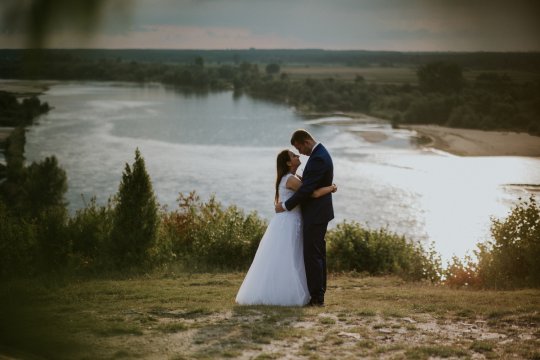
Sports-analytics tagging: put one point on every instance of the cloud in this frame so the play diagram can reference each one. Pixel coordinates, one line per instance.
(417, 25)
(169, 37)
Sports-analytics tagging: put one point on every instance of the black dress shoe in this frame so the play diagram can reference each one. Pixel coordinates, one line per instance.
(316, 302)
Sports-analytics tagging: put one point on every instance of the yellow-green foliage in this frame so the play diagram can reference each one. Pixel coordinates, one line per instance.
(354, 248)
(510, 259)
(208, 235)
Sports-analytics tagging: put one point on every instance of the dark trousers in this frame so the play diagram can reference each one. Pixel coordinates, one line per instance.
(315, 259)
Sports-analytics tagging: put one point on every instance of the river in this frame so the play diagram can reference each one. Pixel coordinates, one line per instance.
(218, 143)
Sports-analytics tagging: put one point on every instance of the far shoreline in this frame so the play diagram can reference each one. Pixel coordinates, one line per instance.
(456, 141)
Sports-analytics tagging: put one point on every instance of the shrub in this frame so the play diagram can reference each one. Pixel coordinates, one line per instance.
(17, 245)
(378, 252)
(90, 230)
(53, 244)
(511, 259)
(207, 235)
(460, 273)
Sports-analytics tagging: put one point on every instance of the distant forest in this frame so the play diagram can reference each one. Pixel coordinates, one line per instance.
(491, 100)
(526, 61)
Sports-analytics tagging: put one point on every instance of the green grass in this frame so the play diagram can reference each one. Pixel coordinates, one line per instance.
(397, 75)
(425, 352)
(194, 316)
(482, 346)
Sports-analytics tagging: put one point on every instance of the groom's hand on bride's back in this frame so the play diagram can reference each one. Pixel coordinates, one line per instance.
(279, 208)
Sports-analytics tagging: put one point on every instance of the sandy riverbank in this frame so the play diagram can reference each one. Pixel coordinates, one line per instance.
(468, 142)
(24, 87)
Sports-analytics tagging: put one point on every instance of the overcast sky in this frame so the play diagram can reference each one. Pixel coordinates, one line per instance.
(403, 25)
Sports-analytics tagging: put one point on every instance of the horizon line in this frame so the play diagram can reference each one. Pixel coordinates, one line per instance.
(282, 49)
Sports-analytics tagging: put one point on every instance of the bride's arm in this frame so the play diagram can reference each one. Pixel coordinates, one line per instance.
(294, 183)
(324, 190)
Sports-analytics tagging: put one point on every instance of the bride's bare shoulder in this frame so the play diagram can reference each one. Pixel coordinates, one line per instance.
(293, 183)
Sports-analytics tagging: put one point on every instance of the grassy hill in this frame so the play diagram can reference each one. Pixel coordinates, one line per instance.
(189, 316)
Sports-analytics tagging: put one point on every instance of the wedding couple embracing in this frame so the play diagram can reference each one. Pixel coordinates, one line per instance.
(289, 267)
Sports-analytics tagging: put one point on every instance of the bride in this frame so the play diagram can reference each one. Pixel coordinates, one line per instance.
(277, 275)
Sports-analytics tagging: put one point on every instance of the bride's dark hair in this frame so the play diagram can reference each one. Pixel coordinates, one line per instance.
(282, 168)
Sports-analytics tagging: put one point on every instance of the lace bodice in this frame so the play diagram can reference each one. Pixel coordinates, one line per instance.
(285, 193)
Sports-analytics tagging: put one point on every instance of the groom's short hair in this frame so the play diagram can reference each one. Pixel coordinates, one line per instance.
(300, 135)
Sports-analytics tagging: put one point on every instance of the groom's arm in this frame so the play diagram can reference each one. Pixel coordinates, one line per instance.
(310, 183)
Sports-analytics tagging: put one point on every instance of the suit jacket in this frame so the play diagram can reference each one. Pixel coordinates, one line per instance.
(318, 172)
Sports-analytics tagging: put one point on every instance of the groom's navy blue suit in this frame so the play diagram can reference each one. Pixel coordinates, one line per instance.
(316, 213)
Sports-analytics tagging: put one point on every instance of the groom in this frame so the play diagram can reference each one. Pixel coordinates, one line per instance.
(316, 212)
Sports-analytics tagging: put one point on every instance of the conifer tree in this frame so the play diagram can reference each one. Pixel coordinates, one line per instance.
(135, 216)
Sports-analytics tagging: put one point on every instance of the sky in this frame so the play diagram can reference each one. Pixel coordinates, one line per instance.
(399, 25)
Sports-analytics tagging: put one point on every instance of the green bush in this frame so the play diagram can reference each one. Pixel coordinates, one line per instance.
(53, 243)
(44, 187)
(17, 245)
(90, 231)
(377, 252)
(207, 235)
(511, 259)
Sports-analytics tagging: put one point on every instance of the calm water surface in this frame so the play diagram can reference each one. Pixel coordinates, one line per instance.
(225, 145)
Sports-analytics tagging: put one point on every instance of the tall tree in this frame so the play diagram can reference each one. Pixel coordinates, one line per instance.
(135, 217)
(45, 186)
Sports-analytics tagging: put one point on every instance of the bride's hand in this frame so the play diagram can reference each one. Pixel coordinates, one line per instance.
(279, 208)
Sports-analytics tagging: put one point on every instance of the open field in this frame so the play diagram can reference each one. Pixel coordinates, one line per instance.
(371, 74)
(194, 316)
(386, 75)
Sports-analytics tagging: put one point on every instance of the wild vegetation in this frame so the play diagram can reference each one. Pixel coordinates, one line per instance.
(20, 113)
(510, 259)
(131, 234)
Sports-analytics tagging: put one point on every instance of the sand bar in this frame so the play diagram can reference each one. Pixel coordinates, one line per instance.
(372, 136)
(25, 87)
(468, 142)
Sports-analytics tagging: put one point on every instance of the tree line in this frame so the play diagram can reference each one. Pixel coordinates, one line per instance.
(523, 61)
(441, 95)
(15, 113)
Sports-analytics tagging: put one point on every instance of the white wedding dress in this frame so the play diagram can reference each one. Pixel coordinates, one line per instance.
(277, 275)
